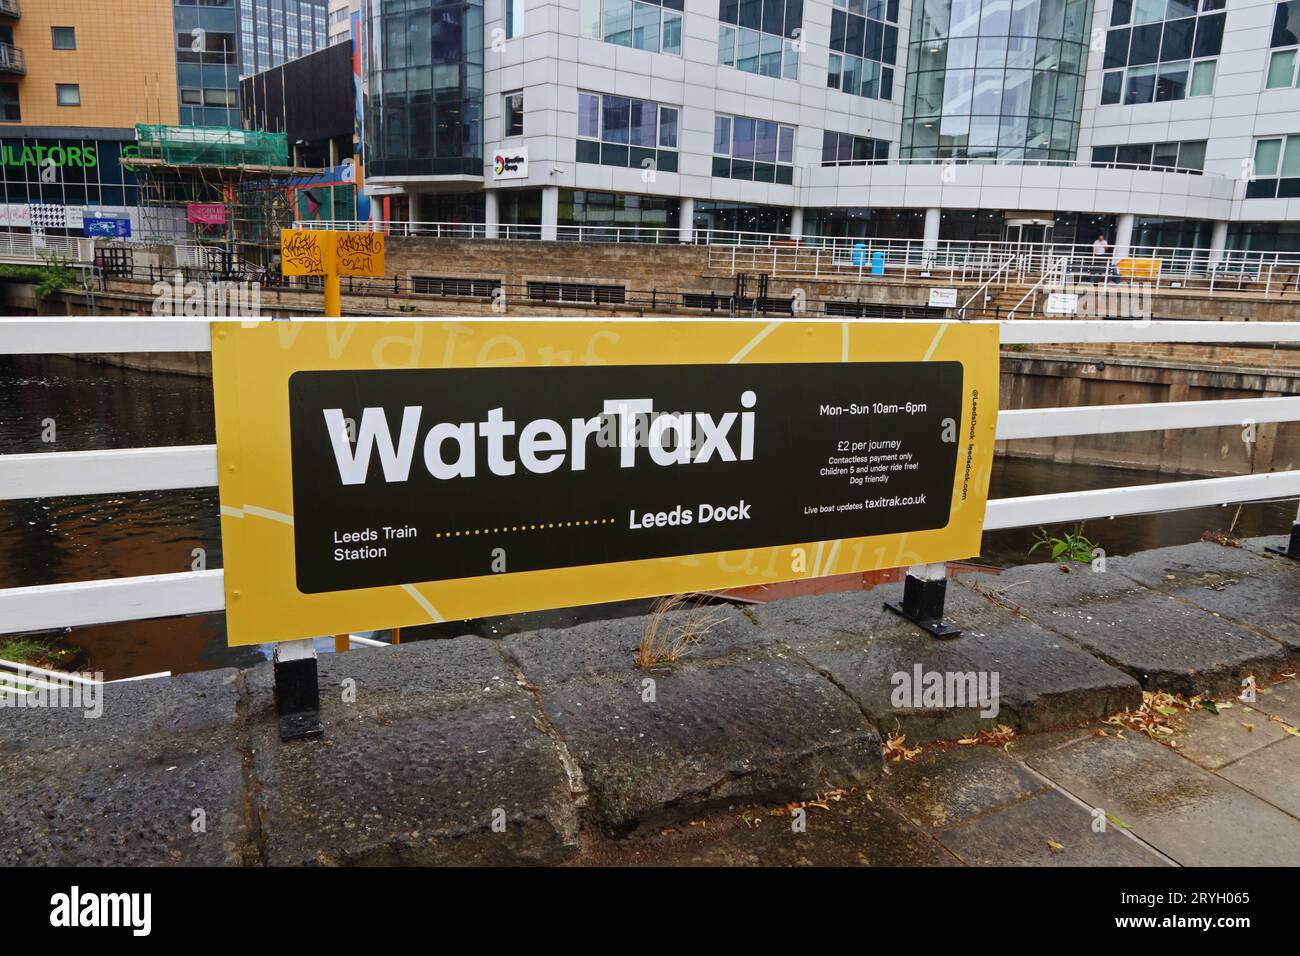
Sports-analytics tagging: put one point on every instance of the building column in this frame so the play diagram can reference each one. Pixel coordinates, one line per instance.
(686, 220)
(1123, 235)
(1218, 242)
(931, 241)
(796, 223)
(491, 214)
(550, 211)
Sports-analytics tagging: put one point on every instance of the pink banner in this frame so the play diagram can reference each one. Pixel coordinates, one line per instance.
(206, 213)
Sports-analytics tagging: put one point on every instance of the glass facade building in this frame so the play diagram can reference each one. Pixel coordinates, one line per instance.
(995, 79)
(272, 31)
(425, 103)
(207, 63)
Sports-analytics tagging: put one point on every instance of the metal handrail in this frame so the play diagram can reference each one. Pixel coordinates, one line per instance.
(983, 288)
(1204, 258)
(1046, 278)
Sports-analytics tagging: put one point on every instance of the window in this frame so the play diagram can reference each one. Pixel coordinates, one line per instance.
(207, 46)
(864, 48)
(191, 97)
(1285, 42)
(747, 148)
(9, 109)
(1161, 50)
(67, 94)
(513, 114)
(514, 19)
(761, 36)
(622, 131)
(844, 149)
(1276, 171)
(655, 25)
(1188, 157)
(215, 96)
(64, 38)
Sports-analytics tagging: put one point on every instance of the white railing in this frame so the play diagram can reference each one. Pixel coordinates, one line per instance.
(812, 255)
(1053, 276)
(982, 292)
(23, 246)
(118, 471)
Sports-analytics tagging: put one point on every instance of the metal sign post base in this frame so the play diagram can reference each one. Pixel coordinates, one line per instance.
(924, 589)
(297, 691)
(1292, 550)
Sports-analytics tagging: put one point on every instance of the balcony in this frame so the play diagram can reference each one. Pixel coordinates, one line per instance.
(12, 59)
(9, 8)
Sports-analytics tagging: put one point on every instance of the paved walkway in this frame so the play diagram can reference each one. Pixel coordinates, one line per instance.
(1226, 792)
(554, 747)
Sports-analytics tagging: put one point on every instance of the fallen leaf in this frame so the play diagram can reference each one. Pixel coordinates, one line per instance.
(1054, 846)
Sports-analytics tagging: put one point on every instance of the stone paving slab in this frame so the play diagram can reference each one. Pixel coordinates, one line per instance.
(610, 647)
(1271, 773)
(1213, 741)
(1281, 700)
(1044, 681)
(1164, 642)
(125, 809)
(1186, 812)
(1022, 835)
(136, 714)
(440, 741)
(420, 789)
(944, 789)
(853, 832)
(1239, 584)
(748, 731)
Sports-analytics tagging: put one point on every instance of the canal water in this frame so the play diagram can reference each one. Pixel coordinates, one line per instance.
(90, 405)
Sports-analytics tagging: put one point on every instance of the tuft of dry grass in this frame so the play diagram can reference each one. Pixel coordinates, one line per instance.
(675, 623)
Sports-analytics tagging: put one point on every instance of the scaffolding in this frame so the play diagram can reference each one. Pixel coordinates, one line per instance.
(227, 191)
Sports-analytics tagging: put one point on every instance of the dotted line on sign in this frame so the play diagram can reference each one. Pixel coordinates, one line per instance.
(516, 528)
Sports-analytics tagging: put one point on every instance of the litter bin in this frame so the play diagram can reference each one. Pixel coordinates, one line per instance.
(877, 263)
(859, 253)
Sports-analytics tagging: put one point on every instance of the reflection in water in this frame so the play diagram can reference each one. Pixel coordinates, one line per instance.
(56, 540)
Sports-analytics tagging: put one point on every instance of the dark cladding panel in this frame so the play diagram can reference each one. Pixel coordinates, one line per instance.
(310, 98)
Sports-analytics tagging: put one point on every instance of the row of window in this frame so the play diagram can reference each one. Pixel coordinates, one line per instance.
(1186, 156)
(1159, 51)
(1159, 83)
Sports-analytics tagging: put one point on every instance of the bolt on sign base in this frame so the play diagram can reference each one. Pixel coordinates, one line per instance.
(1292, 550)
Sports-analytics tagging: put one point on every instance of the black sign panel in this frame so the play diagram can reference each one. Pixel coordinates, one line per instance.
(404, 476)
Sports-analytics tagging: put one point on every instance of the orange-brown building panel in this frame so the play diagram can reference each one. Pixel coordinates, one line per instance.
(120, 71)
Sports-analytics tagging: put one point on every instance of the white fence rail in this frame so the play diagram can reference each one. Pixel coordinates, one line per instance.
(46, 607)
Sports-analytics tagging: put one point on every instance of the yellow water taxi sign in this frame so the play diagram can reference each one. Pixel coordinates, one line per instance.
(381, 474)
